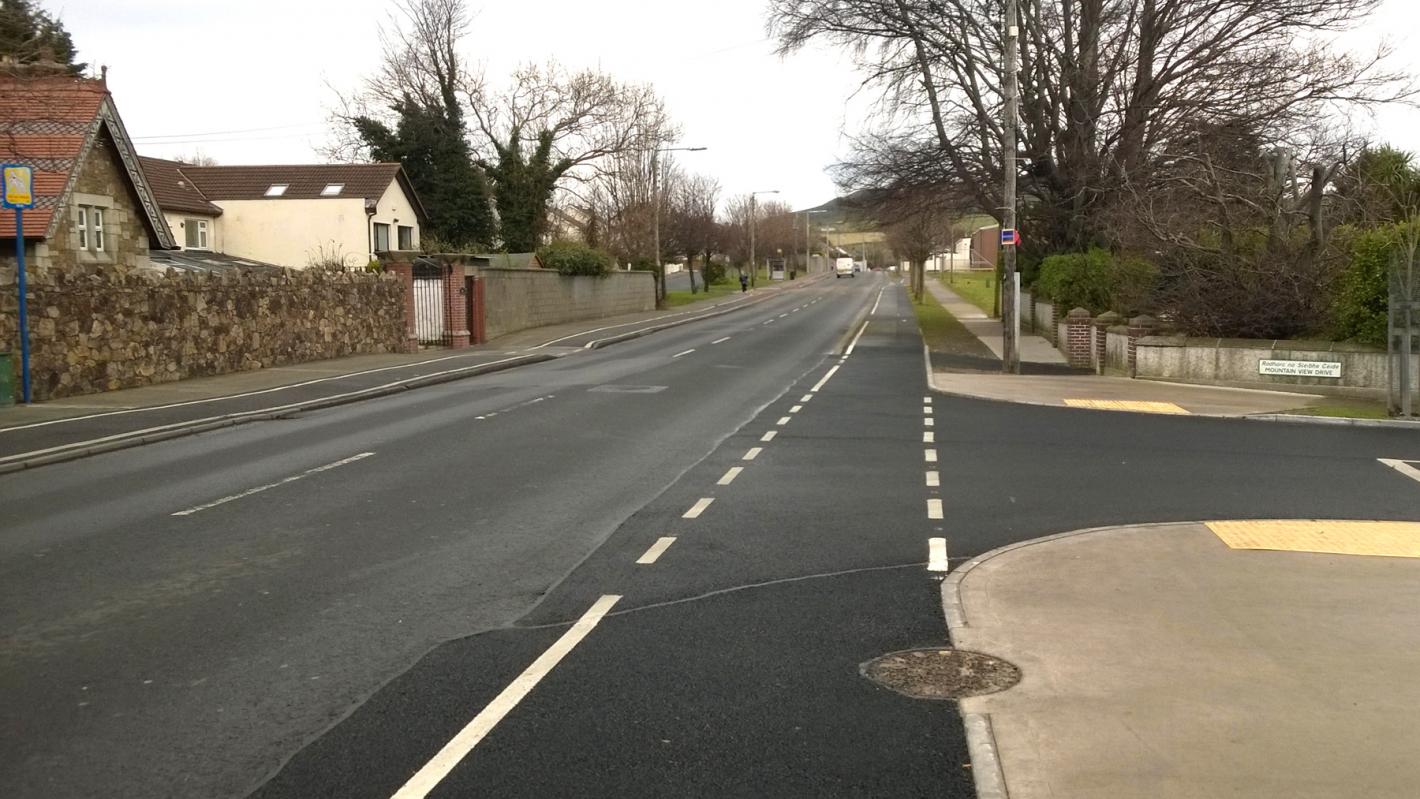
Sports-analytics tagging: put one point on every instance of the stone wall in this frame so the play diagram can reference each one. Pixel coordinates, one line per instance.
(517, 299)
(101, 328)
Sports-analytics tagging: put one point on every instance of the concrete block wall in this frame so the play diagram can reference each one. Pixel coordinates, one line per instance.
(1234, 362)
(518, 299)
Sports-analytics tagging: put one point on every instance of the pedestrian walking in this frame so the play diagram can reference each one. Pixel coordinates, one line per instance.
(744, 282)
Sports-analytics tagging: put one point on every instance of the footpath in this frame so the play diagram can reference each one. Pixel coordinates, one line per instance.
(1239, 658)
(1047, 379)
(74, 427)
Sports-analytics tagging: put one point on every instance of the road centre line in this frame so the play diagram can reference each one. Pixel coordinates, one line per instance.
(927, 410)
(878, 302)
(819, 385)
(796, 409)
(929, 422)
(934, 480)
(1402, 467)
(657, 549)
(926, 400)
(679, 354)
(929, 437)
(937, 555)
(293, 478)
(721, 340)
(782, 315)
(769, 322)
(768, 437)
(854, 344)
(438, 767)
(806, 398)
(731, 475)
(698, 508)
(783, 420)
(934, 509)
(753, 453)
(930, 455)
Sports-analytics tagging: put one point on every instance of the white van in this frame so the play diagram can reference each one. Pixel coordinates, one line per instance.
(843, 266)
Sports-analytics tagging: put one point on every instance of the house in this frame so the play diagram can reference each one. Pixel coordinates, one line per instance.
(295, 216)
(93, 204)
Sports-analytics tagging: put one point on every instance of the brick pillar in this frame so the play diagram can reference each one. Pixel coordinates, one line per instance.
(404, 269)
(1077, 337)
(1103, 323)
(1057, 312)
(1139, 327)
(456, 302)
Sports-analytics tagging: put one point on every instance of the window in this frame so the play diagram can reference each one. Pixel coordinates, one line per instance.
(382, 237)
(277, 189)
(332, 189)
(96, 221)
(406, 238)
(196, 232)
(89, 223)
(82, 222)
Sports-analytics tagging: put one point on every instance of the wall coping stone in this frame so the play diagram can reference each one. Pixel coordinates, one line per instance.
(1271, 345)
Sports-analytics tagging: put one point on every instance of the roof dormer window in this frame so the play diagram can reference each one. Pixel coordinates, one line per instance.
(332, 190)
(276, 189)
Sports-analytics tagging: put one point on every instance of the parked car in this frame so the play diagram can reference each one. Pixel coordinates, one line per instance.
(844, 266)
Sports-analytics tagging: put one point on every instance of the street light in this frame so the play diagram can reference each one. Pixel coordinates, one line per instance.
(808, 243)
(656, 201)
(753, 221)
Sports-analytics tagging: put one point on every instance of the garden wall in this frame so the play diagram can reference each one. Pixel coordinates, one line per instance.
(517, 299)
(1235, 362)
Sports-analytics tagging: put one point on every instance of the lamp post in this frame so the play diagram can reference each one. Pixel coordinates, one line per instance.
(656, 201)
(753, 221)
(808, 244)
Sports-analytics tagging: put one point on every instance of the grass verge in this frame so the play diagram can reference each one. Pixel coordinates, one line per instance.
(724, 288)
(977, 288)
(942, 332)
(1342, 409)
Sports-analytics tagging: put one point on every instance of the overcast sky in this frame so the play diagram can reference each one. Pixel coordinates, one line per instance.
(250, 82)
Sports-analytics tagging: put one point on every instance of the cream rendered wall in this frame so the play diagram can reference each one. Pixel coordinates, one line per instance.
(394, 205)
(176, 220)
(295, 232)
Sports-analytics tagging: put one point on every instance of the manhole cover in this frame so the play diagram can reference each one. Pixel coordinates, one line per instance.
(941, 673)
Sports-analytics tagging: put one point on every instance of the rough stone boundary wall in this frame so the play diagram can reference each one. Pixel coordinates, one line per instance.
(517, 299)
(100, 328)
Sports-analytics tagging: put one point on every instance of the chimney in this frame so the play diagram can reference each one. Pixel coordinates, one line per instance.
(103, 76)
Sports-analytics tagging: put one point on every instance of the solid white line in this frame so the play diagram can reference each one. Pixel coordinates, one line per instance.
(678, 354)
(937, 555)
(731, 475)
(934, 480)
(783, 420)
(768, 437)
(796, 409)
(721, 340)
(657, 549)
(819, 385)
(929, 421)
(293, 478)
(854, 344)
(931, 455)
(698, 508)
(1402, 467)
(753, 453)
(433, 772)
(276, 409)
(934, 509)
(806, 398)
(879, 301)
(929, 437)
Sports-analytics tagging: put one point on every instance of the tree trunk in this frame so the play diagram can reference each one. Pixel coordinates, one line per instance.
(690, 270)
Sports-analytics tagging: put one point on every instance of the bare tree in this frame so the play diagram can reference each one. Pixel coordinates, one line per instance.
(690, 228)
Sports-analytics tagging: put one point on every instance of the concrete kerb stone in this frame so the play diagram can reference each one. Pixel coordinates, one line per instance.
(986, 769)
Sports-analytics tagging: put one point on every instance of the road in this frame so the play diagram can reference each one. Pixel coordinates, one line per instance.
(348, 590)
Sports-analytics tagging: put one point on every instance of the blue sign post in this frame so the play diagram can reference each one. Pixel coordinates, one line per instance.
(18, 194)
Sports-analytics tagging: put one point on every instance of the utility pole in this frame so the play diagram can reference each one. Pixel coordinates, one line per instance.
(1011, 360)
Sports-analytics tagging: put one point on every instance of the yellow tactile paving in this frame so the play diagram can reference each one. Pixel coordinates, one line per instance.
(1380, 539)
(1140, 406)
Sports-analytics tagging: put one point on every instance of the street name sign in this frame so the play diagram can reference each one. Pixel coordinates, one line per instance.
(1330, 369)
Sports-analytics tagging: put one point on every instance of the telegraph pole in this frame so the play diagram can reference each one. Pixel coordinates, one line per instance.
(1011, 360)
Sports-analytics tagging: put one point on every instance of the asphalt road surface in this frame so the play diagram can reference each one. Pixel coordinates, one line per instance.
(382, 596)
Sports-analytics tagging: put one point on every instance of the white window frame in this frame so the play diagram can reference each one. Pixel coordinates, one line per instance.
(82, 223)
(201, 235)
(96, 222)
(277, 189)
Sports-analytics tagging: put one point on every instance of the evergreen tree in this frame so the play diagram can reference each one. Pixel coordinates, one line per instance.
(31, 35)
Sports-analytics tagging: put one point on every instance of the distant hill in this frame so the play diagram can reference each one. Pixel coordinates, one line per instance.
(851, 212)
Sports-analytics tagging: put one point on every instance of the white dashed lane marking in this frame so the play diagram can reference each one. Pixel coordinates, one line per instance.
(931, 455)
(934, 509)
(657, 549)
(753, 453)
(934, 480)
(929, 437)
(721, 340)
(731, 475)
(679, 354)
(698, 508)
(937, 555)
(768, 437)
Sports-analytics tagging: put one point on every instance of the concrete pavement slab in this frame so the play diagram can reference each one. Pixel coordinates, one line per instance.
(1034, 349)
(1159, 662)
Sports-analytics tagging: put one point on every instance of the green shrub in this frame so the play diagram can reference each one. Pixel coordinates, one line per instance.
(572, 258)
(712, 273)
(1097, 281)
(1363, 292)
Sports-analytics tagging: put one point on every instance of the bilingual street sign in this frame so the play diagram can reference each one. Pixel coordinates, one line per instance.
(1010, 237)
(19, 186)
(1331, 369)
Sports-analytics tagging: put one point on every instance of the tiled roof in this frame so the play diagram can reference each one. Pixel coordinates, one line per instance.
(45, 122)
(173, 190)
(303, 182)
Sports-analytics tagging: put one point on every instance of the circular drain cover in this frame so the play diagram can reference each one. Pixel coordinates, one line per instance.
(941, 673)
